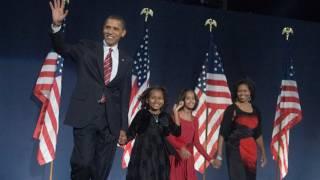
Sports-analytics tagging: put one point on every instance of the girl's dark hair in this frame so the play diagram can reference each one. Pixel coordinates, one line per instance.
(146, 94)
(250, 85)
(183, 95)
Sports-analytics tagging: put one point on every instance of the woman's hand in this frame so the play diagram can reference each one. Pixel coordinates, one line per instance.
(263, 160)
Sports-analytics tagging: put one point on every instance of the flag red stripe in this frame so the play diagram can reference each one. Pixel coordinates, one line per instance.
(37, 131)
(40, 158)
(201, 110)
(289, 99)
(284, 129)
(47, 74)
(134, 90)
(217, 82)
(218, 94)
(289, 88)
(284, 115)
(217, 106)
(56, 92)
(282, 144)
(50, 62)
(52, 118)
(48, 141)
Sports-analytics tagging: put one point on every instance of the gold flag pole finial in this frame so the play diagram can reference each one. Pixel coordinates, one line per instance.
(211, 23)
(287, 31)
(146, 12)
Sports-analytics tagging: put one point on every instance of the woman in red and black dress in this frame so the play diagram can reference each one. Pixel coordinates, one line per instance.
(241, 132)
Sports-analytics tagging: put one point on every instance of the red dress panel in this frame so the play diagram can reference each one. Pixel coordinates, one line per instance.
(183, 169)
(240, 130)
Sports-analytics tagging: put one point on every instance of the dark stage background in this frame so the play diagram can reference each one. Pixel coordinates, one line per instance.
(250, 45)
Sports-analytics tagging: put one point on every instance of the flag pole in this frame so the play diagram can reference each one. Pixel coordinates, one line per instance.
(206, 139)
(211, 23)
(286, 31)
(51, 170)
(134, 104)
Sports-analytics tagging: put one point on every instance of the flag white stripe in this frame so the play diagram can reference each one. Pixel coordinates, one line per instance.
(291, 105)
(215, 88)
(55, 108)
(289, 83)
(290, 94)
(52, 55)
(44, 149)
(49, 68)
(45, 80)
(51, 131)
(214, 76)
(219, 100)
(202, 118)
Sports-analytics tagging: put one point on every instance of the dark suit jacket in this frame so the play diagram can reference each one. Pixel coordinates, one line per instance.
(83, 107)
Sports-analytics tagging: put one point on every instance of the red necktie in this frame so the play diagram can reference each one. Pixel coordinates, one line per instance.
(107, 65)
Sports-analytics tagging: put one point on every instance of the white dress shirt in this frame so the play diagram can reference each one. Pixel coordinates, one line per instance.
(114, 57)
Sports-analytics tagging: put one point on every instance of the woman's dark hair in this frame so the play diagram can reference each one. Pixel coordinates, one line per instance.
(146, 94)
(183, 94)
(250, 86)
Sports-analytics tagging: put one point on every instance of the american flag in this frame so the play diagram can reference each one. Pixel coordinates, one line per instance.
(288, 114)
(139, 83)
(214, 96)
(48, 91)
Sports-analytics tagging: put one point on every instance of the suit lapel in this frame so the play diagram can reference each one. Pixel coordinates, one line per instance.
(121, 68)
(122, 62)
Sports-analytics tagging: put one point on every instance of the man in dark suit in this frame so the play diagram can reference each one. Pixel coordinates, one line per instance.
(99, 105)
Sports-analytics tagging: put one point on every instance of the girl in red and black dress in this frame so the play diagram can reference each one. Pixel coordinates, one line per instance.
(182, 163)
(241, 132)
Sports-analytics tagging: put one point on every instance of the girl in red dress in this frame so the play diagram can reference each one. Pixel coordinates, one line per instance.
(182, 163)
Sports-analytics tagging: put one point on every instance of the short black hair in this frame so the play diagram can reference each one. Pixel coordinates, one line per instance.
(146, 94)
(117, 17)
(183, 94)
(249, 83)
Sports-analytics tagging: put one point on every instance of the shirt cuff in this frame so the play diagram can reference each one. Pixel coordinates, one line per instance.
(55, 29)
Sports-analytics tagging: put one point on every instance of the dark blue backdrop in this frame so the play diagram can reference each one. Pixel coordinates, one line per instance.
(251, 46)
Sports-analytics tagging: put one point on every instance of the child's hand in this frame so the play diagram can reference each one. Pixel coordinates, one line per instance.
(217, 163)
(212, 163)
(175, 110)
(178, 106)
(184, 153)
(122, 138)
